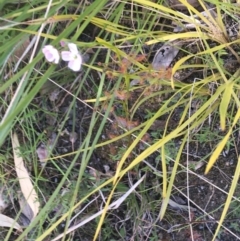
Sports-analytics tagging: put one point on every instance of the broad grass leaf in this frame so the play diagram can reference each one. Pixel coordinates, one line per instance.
(24, 179)
(224, 104)
(5, 221)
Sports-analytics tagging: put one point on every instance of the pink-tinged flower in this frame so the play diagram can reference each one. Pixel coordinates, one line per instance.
(51, 54)
(73, 57)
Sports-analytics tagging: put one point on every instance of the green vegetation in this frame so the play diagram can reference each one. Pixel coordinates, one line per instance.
(130, 147)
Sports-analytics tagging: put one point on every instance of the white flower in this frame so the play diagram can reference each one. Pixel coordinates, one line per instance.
(73, 57)
(51, 54)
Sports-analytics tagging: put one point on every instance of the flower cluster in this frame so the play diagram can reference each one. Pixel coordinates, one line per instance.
(72, 56)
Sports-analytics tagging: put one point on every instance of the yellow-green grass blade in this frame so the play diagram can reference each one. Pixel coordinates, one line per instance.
(175, 36)
(236, 98)
(53, 226)
(174, 170)
(119, 52)
(221, 145)
(64, 216)
(164, 172)
(100, 223)
(32, 10)
(223, 107)
(121, 173)
(171, 181)
(172, 135)
(166, 10)
(148, 123)
(101, 23)
(210, 51)
(229, 198)
(216, 62)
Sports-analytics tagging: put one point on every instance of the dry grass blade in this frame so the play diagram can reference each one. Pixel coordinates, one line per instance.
(24, 179)
(5, 221)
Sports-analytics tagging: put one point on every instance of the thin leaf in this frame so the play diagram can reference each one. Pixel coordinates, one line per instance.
(164, 172)
(175, 133)
(229, 198)
(225, 103)
(166, 199)
(221, 145)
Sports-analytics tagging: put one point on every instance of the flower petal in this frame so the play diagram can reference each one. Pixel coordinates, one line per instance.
(73, 48)
(75, 64)
(49, 57)
(67, 55)
(51, 54)
(79, 59)
(56, 56)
